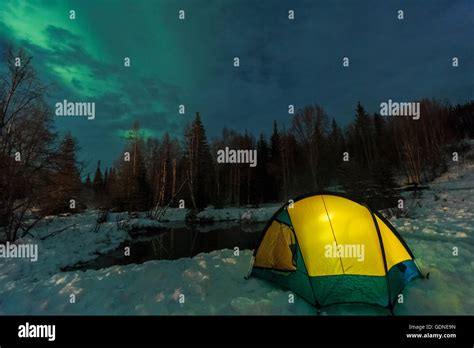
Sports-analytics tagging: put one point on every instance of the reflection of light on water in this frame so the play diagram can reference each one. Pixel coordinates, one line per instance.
(171, 243)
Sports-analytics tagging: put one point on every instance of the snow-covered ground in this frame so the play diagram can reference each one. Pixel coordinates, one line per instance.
(213, 283)
(441, 226)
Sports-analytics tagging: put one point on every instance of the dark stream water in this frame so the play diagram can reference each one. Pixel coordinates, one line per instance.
(174, 243)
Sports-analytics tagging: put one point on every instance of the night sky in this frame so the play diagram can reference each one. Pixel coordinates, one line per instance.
(282, 62)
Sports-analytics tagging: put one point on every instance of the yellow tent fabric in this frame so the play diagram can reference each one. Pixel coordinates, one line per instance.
(335, 235)
(275, 250)
(395, 252)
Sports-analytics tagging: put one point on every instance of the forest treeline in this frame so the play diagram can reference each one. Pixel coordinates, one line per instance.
(367, 159)
(40, 173)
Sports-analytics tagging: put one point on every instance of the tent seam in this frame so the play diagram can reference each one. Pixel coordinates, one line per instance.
(384, 258)
(333, 234)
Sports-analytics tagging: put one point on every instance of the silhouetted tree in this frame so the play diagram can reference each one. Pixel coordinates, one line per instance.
(27, 145)
(88, 182)
(263, 180)
(199, 166)
(65, 179)
(309, 127)
(98, 182)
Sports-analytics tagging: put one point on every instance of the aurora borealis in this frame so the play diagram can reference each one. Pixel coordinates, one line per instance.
(282, 62)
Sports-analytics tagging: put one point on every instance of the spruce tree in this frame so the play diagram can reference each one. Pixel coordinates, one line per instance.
(262, 180)
(275, 167)
(365, 137)
(88, 182)
(98, 182)
(67, 179)
(200, 168)
(105, 180)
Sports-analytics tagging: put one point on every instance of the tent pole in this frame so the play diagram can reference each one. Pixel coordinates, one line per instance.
(252, 260)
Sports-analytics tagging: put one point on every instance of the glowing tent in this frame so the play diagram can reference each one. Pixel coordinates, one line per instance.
(329, 249)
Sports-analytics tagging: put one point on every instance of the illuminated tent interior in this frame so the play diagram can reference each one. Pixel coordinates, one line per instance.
(329, 249)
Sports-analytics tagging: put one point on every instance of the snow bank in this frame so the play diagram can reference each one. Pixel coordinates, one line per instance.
(441, 236)
(141, 225)
(63, 241)
(246, 215)
(175, 214)
(211, 284)
(211, 214)
(214, 283)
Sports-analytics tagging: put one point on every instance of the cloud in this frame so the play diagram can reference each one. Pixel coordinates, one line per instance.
(143, 133)
(61, 36)
(190, 62)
